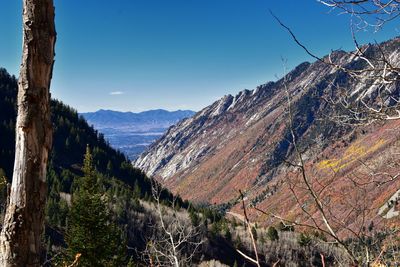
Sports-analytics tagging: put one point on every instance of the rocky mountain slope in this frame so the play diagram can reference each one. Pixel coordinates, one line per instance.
(132, 133)
(243, 142)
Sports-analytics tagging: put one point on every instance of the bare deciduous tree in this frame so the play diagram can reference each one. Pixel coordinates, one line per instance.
(24, 219)
(174, 241)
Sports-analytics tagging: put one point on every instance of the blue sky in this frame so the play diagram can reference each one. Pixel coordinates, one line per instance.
(134, 55)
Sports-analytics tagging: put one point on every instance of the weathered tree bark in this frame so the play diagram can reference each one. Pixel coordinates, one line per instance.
(24, 220)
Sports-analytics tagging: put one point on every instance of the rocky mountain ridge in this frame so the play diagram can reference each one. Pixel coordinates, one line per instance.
(214, 127)
(243, 142)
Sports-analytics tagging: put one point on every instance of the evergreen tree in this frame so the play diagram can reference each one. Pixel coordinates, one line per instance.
(272, 234)
(89, 180)
(90, 232)
(304, 239)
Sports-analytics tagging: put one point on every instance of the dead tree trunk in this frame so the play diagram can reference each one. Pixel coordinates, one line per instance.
(23, 223)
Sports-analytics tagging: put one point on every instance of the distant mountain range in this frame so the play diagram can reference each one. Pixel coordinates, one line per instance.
(132, 133)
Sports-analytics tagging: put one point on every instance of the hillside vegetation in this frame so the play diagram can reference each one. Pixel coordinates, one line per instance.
(101, 208)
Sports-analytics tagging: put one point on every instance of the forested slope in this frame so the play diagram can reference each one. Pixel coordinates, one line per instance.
(127, 193)
(72, 136)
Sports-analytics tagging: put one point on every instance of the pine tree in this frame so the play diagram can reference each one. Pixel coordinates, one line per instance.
(272, 234)
(89, 180)
(90, 232)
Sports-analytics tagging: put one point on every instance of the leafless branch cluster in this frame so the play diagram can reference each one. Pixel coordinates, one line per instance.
(281, 247)
(376, 101)
(174, 241)
(316, 196)
(375, 13)
(374, 68)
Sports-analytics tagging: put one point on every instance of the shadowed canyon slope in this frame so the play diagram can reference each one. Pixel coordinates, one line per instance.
(244, 141)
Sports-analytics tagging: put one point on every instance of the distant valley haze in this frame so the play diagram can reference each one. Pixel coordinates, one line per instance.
(132, 133)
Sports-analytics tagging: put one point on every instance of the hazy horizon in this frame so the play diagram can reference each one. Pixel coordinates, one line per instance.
(137, 112)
